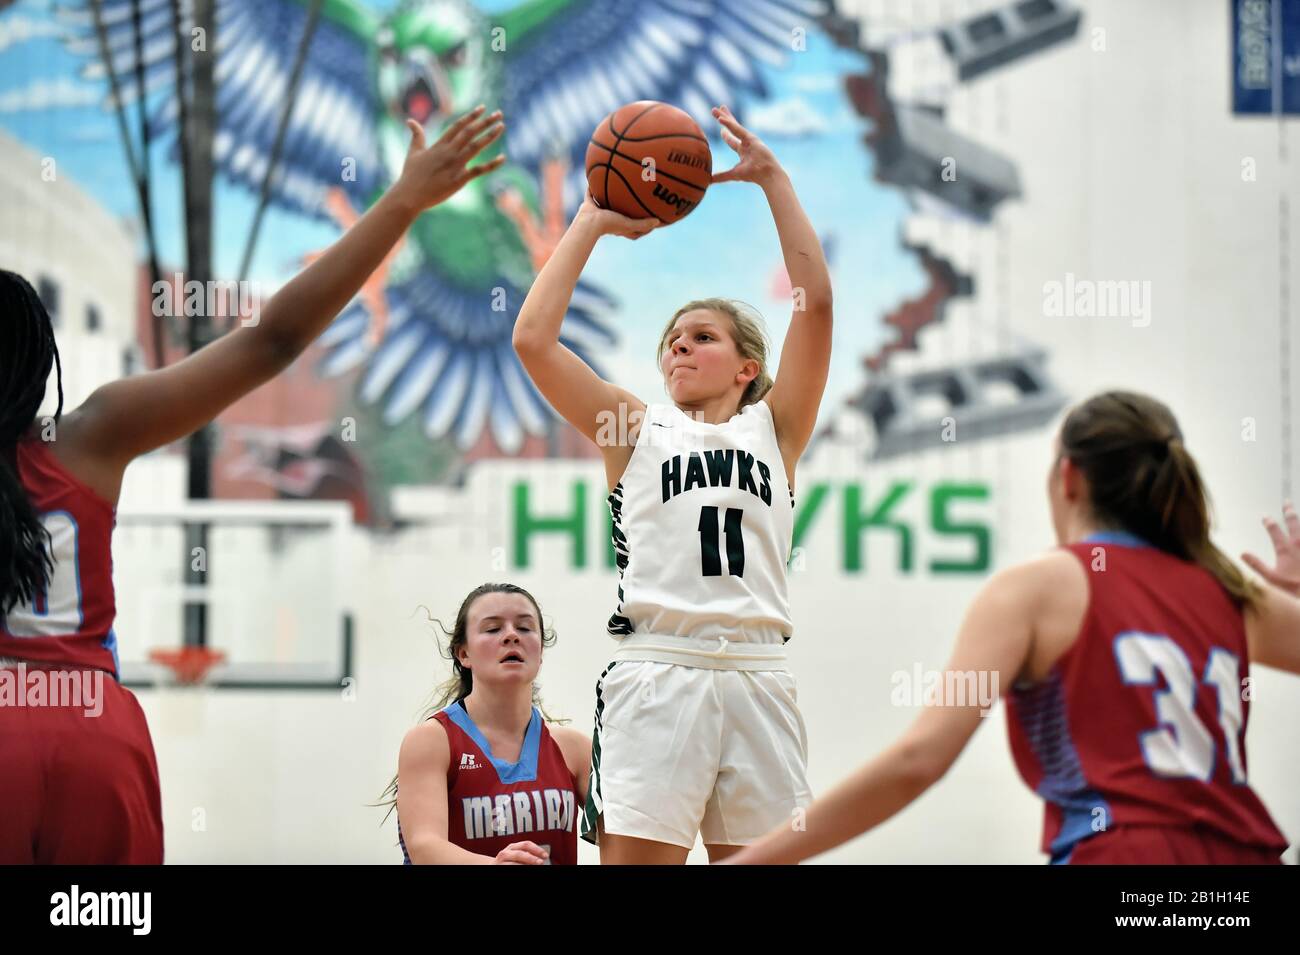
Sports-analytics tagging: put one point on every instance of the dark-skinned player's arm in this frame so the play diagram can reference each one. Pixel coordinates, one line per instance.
(577, 393)
(128, 417)
(1273, 626)
(796, 393)
(995, 637)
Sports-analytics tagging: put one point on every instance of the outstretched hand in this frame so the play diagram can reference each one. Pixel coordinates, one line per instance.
(1285, 572)
(757, 163)
(433, 174)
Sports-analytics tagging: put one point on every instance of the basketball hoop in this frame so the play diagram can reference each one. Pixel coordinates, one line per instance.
(189, 665)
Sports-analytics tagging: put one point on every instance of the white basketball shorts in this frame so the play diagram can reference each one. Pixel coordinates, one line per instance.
(679, 750)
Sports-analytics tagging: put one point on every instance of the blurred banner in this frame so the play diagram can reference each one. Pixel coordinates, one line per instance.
(1266, 56)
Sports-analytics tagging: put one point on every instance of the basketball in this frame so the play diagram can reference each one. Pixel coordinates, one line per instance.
(649, 159)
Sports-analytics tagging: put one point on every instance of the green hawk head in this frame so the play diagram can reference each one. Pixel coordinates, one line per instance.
(433, 63)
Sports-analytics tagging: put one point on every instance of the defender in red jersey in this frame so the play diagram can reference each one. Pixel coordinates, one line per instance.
(80, 783)
(484, 779)
(1165, 646)
(1124, 655)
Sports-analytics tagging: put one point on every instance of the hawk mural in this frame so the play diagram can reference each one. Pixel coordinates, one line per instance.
(432, 330)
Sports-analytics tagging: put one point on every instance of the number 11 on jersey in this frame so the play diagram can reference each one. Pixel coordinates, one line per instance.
(710, 557)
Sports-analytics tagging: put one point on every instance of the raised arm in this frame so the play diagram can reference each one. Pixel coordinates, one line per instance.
(1273, 630)
(796, 394)
(422, 805)
(577, 393)
(128, 417)
(995, 637)
(1273, 627)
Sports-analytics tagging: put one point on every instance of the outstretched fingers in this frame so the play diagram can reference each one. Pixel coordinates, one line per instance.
(465, 138)
(417, 137)
(1259, 567)
(477, 145)
(1286, 550)
(476, 171)
(454, 130)
(730, 124)
(1275, 534)
(1292, 522)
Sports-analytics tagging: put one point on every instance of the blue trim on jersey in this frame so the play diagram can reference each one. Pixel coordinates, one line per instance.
(1042, 714)
(1062, 858)
(1076, 825)
(523, 771)
(1122, 538)
(110, 644)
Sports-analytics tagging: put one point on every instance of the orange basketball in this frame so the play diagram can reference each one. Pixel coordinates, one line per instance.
(649, 159)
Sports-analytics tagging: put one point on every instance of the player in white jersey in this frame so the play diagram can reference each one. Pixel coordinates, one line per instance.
(697, 729)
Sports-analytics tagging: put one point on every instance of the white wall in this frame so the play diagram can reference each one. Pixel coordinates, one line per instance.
(53, 229)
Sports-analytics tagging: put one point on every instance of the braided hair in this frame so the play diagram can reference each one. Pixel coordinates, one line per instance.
(27, 353)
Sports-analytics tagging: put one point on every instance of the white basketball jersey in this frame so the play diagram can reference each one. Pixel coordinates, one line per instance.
(703, 521)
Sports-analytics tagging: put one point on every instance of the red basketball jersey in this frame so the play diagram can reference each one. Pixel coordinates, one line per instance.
(71, 622)
(492, 803)
(1142, 720)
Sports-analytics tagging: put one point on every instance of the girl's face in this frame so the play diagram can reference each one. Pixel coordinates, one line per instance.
(503, 640)
(701, 360)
